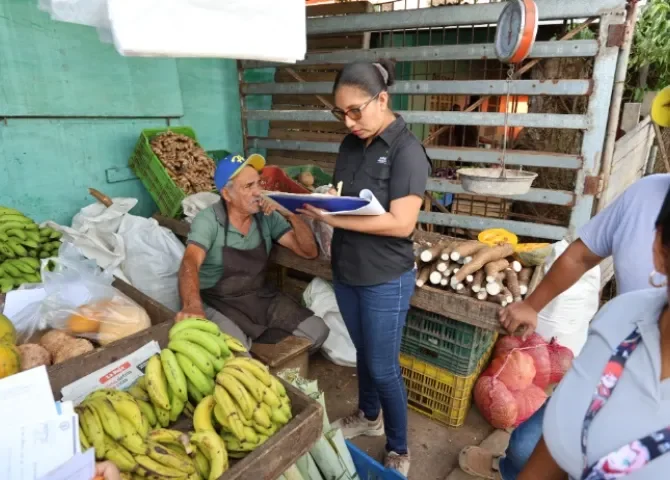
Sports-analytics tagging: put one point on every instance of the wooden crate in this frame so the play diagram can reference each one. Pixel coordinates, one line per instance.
(266, 462)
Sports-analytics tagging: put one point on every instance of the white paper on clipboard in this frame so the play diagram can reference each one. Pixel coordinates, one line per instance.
(372, 208)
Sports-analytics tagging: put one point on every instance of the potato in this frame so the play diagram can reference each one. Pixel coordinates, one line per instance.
(73, 348)
(307, 179)
(53, 341)
(33, 355)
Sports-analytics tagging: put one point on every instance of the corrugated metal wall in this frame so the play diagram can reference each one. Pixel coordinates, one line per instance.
(71, 110)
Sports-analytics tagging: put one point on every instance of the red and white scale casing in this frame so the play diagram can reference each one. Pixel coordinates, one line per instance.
(516, 32)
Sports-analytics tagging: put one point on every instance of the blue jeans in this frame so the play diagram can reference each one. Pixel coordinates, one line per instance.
(375, 317)
(523, 441)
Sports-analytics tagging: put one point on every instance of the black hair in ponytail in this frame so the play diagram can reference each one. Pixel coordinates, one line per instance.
(663, 221)
(367, 76)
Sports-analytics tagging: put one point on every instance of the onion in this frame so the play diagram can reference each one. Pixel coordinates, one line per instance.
(561, 360)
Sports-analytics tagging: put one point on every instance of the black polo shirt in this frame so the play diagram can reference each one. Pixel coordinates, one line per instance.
(393, 166)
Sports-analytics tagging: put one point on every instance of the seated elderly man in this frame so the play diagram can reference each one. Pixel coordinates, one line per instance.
(222, 275)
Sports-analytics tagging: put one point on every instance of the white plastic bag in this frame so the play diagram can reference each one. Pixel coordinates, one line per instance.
(196, 202)
(319, 297)
(92, 13)
(152, 258)
(567, 317)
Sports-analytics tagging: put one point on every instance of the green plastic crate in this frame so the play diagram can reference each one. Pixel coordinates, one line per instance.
(446, 343)
(149, 169)
(320, 177)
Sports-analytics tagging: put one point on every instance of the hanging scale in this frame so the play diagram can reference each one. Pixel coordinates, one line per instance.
(515, 36)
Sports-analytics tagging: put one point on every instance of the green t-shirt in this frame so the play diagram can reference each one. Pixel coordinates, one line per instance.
(207, 232)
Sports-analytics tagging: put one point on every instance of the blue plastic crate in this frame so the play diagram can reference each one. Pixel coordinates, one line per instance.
(370, 469)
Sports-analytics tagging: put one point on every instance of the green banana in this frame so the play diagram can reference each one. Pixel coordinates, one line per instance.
(6, 286)
(225, 351)
(194, 392)
(201, 464)
(6, 250)
(22, 266)
(159, 470)
(108, 416)
(5, 227)
(56, 235)
(121, 457)
(202, 416)
(83, 441)
(15, 232)
(30, 262)
(213, 447)
(169, 458)
(138, 393)
(11, 269)
(93, 429)
(202, 382)
(197, 323)
(200, 337)
(148, 411)
(163, 416)
(14, 218)
(176, 407)
(196, 353)
(250, 435)
(33, 236)
(30, 244)
(174, 374)
(157, 386)
(18, 249)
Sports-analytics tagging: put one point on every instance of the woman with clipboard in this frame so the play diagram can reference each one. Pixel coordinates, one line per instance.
(372, 257)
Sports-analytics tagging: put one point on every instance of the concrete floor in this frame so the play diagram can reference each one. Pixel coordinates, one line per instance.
(434, 447)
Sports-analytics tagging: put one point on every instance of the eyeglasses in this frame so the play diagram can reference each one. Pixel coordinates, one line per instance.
(354, 113)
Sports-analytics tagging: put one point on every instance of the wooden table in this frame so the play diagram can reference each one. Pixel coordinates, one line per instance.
(442, 302)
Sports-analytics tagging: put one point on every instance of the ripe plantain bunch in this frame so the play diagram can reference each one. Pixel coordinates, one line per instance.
(249, 404)
(22, 244)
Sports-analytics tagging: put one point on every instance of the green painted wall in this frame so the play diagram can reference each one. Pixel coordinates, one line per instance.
(71, 110)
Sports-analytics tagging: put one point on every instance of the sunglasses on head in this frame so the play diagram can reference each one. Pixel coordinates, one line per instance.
(354, 113)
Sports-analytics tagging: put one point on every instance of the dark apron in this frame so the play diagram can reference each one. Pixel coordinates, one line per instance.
(242, 294)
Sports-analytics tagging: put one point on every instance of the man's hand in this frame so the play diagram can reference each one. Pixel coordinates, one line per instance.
(107, 471)
(189, 312)
(519, 314)
(268, 206)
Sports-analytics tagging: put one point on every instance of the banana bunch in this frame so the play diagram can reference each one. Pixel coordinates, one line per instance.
(248, 403)
(22, 243)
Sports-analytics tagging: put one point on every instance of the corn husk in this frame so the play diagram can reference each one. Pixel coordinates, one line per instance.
(293, 473)
(308, 468)
(329, 462)
(336, 439)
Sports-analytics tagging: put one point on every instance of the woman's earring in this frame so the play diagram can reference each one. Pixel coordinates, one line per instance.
(652, 280)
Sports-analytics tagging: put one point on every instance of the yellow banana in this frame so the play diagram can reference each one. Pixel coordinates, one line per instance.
(229, 412)
(261, 417)
(163, 416)
(201, 464)
(131, 439)
(268, 432)
(285, 409)
(83, 441)
(197, 323)
(121, 457)
(152, 467)
(202, 382)
(93, 429)
(108, 416)
(148, 412)
(204, 339)
(234, 345)
(174, 374)
(170, 458)
(279, 417)
(202, 417)
(127, 407)
(213, 447)
(157, 386)
(260, 392)
(257, 369)
(250, 435)
(166, 436)
(142, 382)
(138, 393)
(238, 392)
(195, 353)
(277, 387)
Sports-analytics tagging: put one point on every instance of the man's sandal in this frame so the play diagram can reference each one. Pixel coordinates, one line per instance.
(479, 462)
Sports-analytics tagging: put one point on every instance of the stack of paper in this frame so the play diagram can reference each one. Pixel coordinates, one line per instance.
(40, 437)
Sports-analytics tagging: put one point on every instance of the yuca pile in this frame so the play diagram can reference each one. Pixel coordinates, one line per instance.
(186, 162)
(475, 269)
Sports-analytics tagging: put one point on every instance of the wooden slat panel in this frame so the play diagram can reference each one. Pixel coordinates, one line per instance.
(301, 100)
(46, 71)
(325, 157)
(329, 127)
(298, 162)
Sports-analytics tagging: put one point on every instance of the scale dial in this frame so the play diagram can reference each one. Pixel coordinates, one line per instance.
(516, 32)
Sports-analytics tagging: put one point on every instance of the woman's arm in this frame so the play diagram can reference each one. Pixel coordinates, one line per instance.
(399, 222)
(541, 465)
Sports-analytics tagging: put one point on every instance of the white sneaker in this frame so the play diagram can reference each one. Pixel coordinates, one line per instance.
(397, 462)
(356, 425)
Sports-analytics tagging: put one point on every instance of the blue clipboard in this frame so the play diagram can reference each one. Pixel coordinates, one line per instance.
(330, 203)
